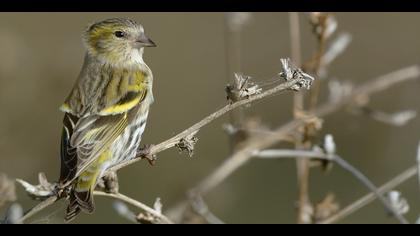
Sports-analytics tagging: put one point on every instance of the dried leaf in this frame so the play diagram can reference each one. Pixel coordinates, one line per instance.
(38, 192)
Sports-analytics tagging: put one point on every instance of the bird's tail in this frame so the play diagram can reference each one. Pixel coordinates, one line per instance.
(81, 196)
(79, 200)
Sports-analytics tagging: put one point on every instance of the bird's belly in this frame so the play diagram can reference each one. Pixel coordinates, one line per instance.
(126, 146)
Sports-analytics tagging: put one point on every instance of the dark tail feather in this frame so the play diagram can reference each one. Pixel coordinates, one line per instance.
(79, 201)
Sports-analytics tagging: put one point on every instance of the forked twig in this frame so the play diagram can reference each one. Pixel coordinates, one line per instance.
(368, 198)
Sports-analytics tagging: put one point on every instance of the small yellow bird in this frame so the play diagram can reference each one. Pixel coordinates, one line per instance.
(107, 109)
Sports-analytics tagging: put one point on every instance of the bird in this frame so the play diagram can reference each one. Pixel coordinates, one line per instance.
(105, 113)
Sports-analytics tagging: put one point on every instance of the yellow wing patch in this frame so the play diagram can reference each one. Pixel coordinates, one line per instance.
(120, 108)
(120, 84)
(65, 108)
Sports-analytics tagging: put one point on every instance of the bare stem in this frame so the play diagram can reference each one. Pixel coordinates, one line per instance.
(196, 127)
(368, 198)
(362, 178)
(298, 100)
(41, 206)
(298, 107)
(163, 219)
(343, 164)
(260, 142)
(233, 64)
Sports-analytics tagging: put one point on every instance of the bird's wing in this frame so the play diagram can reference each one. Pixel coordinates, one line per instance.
(84, 138)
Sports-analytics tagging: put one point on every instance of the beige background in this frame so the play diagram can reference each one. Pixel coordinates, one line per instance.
(41, 54)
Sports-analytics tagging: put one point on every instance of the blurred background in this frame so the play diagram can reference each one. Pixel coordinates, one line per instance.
(41, 55)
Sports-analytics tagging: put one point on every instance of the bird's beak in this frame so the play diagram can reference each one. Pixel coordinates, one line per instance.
(145, 41)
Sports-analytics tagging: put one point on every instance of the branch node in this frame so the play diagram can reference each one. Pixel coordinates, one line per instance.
(146, 153)
(109, 183)
(187, 144)
(290, 72)
(242, 88)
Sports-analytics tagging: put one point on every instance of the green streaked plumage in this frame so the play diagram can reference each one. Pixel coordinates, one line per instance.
(106, 111)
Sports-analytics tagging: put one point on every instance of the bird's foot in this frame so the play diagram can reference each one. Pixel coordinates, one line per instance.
(145, 153)
(109, 183)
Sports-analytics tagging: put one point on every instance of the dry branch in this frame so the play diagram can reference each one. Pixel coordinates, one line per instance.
(263, 141)
(157, 217)
(295, 80)
(360, 203)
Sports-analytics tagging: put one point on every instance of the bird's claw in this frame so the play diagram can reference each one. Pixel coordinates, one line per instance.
(145, 153)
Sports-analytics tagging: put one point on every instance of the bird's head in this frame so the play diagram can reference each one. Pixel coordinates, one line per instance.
(116, 39)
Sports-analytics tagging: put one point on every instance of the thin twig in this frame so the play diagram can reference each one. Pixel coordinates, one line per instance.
(260, 142)
(233, 24)
(42, 205)
(200, 207)
(242, 156)
(294, 27)
(196, 127)
(163, 219)
(123, 210)
(371, 87)
(368, 198)
(298, 107)
(361, 177)
(343, 164)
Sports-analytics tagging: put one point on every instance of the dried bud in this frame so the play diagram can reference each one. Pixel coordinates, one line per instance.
(329, 145)
(242, 88)
(187, 144)
(291, 72)
(399, 203)
(158, 205)
(147, 218)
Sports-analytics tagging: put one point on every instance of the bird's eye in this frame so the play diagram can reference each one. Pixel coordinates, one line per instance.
(119, 34)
